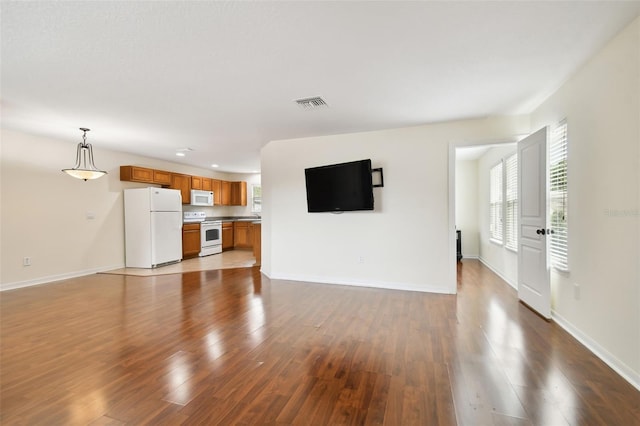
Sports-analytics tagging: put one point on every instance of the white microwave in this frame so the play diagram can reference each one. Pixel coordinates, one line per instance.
(201, 198)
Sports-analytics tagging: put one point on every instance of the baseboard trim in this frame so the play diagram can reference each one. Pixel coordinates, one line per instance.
(53, 278)
(616, 365)
(498, 273)
(358, 283)
(471, 256)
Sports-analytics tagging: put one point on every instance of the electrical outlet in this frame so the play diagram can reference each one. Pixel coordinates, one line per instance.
(360, 259)
(91, 215)
(576, 291)
(26, 261)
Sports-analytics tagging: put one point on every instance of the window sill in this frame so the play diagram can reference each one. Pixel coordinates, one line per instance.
(496, 242)
(512, 250)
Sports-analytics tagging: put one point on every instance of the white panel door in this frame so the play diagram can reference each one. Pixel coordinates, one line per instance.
(166, 237)
(533, 270)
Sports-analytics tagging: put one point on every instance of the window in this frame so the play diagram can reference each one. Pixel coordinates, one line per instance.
(256, 198)
(558, 197)
(495, 202)
(511, 202)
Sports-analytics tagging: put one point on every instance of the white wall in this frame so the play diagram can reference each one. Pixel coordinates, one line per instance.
(502, 261)
(601, 104)
(467, 206)
(43, 212)
(408, 242)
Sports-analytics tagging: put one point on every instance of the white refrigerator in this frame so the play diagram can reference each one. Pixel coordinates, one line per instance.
(152, 227)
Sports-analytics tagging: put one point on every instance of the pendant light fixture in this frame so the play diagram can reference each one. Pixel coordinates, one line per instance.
(84, 168)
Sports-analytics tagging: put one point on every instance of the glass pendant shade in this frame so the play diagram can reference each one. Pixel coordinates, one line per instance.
(84, 168)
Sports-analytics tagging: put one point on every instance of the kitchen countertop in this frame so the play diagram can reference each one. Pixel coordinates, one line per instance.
(235, 218)
(252, 219)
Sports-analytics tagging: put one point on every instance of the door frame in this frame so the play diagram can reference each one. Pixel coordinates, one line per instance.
(452, 286)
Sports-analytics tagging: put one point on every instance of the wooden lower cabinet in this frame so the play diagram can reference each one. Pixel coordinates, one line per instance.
(227, 235)
(242, 235)
(190, 240)
(257, 242)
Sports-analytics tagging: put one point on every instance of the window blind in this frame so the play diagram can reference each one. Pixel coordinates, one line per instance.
(495, 202)
(511, 202)
(558, 197)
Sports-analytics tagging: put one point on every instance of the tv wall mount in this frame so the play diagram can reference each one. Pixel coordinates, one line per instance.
(378, 170)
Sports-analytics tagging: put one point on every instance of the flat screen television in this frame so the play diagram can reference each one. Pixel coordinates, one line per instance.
(340, 187)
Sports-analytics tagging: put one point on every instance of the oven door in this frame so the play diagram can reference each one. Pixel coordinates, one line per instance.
(210, 238)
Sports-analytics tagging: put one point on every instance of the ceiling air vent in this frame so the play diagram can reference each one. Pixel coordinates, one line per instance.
(312, 103)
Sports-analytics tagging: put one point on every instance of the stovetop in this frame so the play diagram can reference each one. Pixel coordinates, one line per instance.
(188, 217)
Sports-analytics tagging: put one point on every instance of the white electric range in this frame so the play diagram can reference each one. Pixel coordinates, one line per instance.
(210, 232)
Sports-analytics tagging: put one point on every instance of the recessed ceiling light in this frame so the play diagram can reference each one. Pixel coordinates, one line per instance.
(181, 152)
(214, 165)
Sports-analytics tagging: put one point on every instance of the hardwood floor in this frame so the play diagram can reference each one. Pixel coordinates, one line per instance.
(233, 347)
(237, 258)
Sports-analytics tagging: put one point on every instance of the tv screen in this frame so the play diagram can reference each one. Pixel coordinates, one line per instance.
(340, 187)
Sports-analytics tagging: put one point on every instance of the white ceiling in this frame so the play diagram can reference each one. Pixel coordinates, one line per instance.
(220, 77)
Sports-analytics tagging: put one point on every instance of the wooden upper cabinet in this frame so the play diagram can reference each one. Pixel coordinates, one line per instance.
(196, 182)
(206, 184)
(225, 193)
(161, 177)
(202, 183)
(136, 174)
(183, 183)
(145, 175)
(216, 186)
(239, 193)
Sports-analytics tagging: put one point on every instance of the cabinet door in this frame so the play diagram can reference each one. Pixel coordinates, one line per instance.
(227, 236)
(136, 174)
(216, 186)
(161, 177)
(225, 190)
(257, 242)
(183, 183)
(242, 237)
(206, 185)
(239, 193)
(190, 240)
(196, 182)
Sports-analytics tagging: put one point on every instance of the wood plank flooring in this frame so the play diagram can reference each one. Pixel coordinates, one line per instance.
(233, 347)
(238, 258)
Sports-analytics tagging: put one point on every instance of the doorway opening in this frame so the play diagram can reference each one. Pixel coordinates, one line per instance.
(484, 209)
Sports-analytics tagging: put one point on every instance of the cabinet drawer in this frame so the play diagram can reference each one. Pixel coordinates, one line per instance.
(191, 227)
